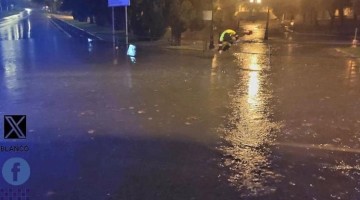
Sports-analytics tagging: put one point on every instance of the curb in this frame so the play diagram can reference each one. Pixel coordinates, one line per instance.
(60, 28)
(183, 48)
(55, 19)
(346, 53)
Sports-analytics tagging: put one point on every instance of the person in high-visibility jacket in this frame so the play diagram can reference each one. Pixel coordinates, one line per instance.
(227, 38)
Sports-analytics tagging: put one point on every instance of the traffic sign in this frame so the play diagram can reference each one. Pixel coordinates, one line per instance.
(113, 3)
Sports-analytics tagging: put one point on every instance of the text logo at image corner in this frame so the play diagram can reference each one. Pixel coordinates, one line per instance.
(16, 171)
(15, 127)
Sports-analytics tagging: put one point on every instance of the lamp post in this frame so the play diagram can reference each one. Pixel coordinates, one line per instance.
(211, 44)
(266, 36)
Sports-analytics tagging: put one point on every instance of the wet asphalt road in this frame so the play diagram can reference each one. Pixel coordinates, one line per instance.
(177, 125)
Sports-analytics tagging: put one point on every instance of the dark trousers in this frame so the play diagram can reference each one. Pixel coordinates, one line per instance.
(224, 46)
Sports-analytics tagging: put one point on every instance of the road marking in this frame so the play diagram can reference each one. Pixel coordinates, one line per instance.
(57, 26)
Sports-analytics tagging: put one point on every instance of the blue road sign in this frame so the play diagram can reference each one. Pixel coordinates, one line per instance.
(113, 3)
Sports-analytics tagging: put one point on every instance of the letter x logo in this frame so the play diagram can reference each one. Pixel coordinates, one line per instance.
(15, 126)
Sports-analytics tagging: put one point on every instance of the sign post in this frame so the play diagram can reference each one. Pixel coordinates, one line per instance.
(113, 26)
(126, 27)
(207, 16)
(115, 3)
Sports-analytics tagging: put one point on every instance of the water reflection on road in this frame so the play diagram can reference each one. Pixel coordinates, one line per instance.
(352, 73)
(249, 129)
(16, 27)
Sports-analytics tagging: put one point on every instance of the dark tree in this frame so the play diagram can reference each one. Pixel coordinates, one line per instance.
(284, 8)
(148, 19)
(80, 10)
(96, 11)
(182, 14)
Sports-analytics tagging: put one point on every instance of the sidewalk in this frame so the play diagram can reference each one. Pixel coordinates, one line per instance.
(105, 33)
(194, 41)
(352, 52)
(188, 42)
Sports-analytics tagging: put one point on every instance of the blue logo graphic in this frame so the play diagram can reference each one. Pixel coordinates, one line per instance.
(16, 171)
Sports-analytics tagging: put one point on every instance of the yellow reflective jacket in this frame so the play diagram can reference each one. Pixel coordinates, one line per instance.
(227, 31)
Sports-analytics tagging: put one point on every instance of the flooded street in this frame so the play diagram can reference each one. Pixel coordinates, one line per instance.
(177, 124)
(294, 128)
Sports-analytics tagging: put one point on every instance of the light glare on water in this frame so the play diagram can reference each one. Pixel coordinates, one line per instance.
(250, 129)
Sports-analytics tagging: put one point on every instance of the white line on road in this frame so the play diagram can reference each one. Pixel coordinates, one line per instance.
(57, 26)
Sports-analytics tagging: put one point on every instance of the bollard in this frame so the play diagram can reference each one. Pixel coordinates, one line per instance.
(269, 51)
(131, 50)
(354, 42)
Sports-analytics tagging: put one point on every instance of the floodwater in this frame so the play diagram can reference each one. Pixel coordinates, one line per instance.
(270, 120)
